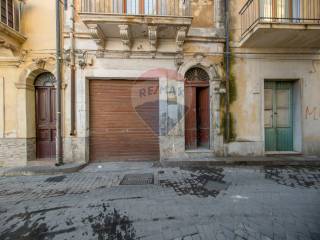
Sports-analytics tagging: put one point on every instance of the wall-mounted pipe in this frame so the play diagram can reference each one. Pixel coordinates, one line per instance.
(227, 56)
(73, 70)
(3, 108)
(59, 150)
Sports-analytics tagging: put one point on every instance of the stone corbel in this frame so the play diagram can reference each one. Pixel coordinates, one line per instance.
(125, 37)
(4, 44)
(153, 37)
(181, 37)
(97, 35)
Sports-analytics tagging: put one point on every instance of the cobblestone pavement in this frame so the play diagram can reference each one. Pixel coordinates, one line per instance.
(106, 202)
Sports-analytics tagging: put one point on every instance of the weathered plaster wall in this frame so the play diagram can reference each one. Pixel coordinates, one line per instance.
(38, 25)
(203, 13)
(248, 108)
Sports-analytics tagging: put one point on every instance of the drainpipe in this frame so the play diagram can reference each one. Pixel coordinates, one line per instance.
(73, 71)
(227, 102)
(59, 157)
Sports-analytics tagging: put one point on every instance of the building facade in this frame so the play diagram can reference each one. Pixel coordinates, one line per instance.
(275, 48)
(145, 79)
(27, 50)
(132, 102)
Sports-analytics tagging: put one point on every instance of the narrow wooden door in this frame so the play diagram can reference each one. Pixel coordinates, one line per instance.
(203, 118)
(278, 116)
(45, 121)
(190, 117)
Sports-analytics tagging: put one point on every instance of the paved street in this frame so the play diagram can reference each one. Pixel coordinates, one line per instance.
(128, 201)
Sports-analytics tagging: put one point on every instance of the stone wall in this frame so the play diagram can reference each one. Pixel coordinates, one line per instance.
(16, 152)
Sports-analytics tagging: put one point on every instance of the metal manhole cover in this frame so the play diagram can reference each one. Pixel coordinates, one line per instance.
(138, 179)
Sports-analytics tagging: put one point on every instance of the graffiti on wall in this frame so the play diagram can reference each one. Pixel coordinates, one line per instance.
(312, 113)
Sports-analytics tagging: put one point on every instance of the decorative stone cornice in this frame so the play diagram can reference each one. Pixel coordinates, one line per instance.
(153, 37)
(181, 37)
(42, 61)
(10, 61)
(24, 86)
(97, 35)
(125, 36)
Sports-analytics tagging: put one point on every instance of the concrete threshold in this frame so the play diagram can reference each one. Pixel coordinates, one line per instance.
(283, 160)
(41, 169)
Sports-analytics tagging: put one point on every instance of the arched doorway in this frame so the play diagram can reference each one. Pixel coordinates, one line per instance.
(45, 116)
(197, 110)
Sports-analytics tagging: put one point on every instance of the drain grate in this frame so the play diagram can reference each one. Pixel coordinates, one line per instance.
(138, 179)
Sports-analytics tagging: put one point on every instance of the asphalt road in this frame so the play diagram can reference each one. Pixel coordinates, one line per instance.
(127, 201)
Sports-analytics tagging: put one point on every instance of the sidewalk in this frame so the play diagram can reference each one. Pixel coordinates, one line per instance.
(273, 160)
(41, 168)
(48, 167)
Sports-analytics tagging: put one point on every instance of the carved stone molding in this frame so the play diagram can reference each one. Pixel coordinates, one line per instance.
(214, 69)
(153, 37)
(181, 37)
(217, 71)
(10, 61)
(178, 60)
(125, 37)
(97, 35)
(24, 86)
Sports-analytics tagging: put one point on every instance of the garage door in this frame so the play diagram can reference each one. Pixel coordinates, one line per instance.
(124, 120)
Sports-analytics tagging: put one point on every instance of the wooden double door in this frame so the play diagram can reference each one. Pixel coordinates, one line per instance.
(197, 119)
(278, 116)
(45, 118)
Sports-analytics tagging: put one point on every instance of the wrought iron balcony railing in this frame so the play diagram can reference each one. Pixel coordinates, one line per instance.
(10, 13)
(279, 11)
(178, 8)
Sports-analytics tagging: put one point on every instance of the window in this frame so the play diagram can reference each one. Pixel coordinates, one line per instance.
(10, 13)
(289, 9)
(132, 6)
(7, 12)
(196, 74)
(150, 7)
(147, 7)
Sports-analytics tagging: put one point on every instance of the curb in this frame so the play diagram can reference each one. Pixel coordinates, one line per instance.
(41, 170)
(276, 162)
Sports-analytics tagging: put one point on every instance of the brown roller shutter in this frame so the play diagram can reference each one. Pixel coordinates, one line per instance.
(124, 120)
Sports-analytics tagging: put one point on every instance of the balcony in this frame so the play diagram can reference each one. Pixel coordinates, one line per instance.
(137, 19)
(280, 24)
(10, 19)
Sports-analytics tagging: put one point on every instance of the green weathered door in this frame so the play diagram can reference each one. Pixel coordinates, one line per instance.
(278, 120)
